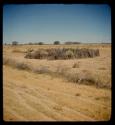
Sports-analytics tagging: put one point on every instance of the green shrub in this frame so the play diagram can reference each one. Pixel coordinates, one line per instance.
(56, 42)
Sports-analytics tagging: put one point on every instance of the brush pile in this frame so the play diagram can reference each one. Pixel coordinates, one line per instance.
(62, 53)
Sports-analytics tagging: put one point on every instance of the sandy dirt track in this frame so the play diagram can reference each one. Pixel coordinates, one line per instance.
(38, 97)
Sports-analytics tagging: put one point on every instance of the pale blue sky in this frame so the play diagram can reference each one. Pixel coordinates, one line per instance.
(49, 22)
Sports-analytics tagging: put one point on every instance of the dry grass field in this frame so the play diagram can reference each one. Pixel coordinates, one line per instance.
(56, 90)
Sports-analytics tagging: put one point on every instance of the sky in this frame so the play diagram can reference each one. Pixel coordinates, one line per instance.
(56, 22)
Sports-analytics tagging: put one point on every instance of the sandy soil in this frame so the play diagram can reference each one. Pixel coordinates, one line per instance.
(28, 96)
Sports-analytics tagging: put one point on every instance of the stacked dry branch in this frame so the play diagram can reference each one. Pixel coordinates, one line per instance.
(62, 53)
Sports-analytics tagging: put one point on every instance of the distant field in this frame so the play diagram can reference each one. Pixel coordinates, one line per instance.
(56, 90)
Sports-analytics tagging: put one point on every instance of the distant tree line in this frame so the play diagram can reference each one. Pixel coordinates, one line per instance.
(14, 43)
(105, 43)
(36, 43)
(56, 42)
(69, 42)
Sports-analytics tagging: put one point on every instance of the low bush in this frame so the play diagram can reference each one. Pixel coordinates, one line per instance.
(15, 64)
(22, 65)
(69, 54)
(84, 77)
(72, 77)
(75, 65)
(42, 70)
(8, 61)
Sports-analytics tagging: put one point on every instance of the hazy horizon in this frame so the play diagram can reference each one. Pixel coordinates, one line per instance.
(85, 23)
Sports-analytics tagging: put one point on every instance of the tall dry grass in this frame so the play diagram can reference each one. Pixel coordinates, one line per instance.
(85, 77)
(16, 64)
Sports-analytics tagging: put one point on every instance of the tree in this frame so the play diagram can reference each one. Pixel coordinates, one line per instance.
(70, 42)
(30, 43)
(40, 43)
(56, 42)
(76, 42)
(14, 43)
